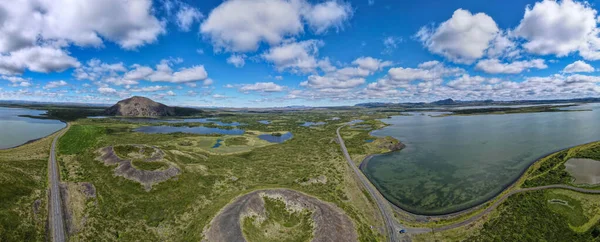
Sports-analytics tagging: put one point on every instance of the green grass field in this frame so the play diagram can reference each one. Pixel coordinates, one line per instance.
(179, 209)
(23, 194)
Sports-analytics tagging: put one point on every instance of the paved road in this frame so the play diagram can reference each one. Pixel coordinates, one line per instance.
(392, 227)
(57, 225)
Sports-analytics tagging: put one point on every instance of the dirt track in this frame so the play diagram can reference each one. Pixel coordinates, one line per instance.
(330, 222)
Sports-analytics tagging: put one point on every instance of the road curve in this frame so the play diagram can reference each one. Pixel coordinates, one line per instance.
(57, 225)
(505, 196)
(383, 205)
(392, 226)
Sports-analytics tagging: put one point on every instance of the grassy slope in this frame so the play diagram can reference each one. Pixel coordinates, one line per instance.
(23, 180)
(279, 225)
(179, 209)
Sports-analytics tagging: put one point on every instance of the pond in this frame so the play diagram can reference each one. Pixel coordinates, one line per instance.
(308, 124)
(457, 162)
(185, 129)
(264, 121)
(171, 121)
(19, 130)
(218, 144)
(276, 138)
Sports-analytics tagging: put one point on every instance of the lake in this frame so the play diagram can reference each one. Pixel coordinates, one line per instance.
(171, 121)
(276, 138)
(185, 129)
(18, 130)
(456, 162)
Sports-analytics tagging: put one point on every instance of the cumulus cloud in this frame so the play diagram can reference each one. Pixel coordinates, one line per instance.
(295, 56)
(494, 66)
(87, 23)
(261, 87)
(149, 89)
(578, 66)
(327, 15)
(55, 84)
(557, 27)
(117, 74)
(240, 25)
(37, 59)
(186, 16)
(236, 60)
(371, 64)
(463, 38)
(323, 82)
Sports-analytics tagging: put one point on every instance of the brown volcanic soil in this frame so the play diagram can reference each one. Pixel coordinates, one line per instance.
(330, 222)
(140, 107)
(126, 170)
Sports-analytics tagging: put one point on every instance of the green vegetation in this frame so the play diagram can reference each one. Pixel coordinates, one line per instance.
(23, 191)
(123, 151)
(79, 138)
(179, 208)
(280, 224)
(149, 166)
(531, 217)
(551, 169)
(236, 141)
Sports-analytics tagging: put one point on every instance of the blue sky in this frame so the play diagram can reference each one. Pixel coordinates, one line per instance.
(267, 53)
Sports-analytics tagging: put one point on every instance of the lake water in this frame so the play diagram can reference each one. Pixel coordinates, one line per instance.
(308, 124)
(456, 162)
(191, 130)
(276, 139)
(172, 121)
(18, 130)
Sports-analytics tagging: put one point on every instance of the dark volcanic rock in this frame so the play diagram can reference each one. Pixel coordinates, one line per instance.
(140, 107)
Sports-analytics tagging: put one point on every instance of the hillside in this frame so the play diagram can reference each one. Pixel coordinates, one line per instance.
(140, 107)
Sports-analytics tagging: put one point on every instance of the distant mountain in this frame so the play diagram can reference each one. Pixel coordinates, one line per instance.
(448, 101)
(140, 107)
(451, 102)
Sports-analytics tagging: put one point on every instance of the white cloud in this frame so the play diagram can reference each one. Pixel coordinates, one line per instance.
(219, 96)
(390, 43)
(96, 69)
(557, 27)
(86, 23)
(463, 38)
(325, 15)
(578, 66)
(261, 87)
(37, 59)
(371, 64)
(494, 66)
(55, 84)
(149, 89)
(323, 82)
(186, 16)
(170, 93)
(107, 90)
(240, 25)
(236, 60)
(296, 56)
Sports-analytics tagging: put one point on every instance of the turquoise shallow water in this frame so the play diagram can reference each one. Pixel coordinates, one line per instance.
(15, 130)
(456, 162)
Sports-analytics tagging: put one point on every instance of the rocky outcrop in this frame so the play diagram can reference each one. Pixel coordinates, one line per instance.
(140, 107)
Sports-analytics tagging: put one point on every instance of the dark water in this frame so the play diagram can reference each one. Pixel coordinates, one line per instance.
(191, 130)
(308, 124)
(218, 144)
(17, 130)
(158, 120)
(456, 162)
(276, 139)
